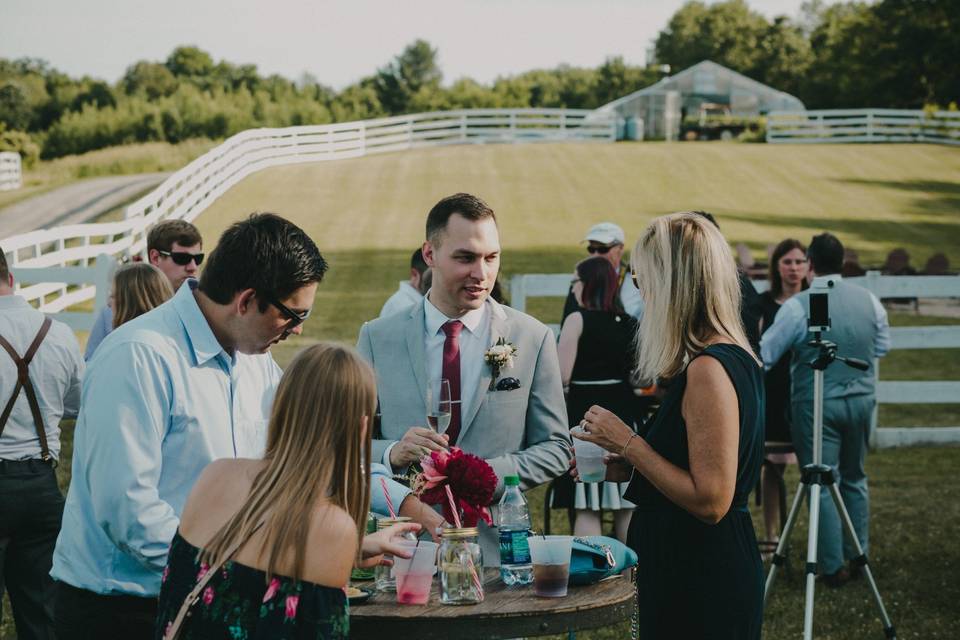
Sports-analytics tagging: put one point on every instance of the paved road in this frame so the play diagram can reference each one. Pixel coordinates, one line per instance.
(78, 202)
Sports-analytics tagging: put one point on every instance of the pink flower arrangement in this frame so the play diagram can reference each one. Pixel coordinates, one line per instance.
(208, 596)
(292, 602)
(271, 589)
(469, 477)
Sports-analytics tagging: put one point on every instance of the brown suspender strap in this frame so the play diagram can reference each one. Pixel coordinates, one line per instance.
(23, 381)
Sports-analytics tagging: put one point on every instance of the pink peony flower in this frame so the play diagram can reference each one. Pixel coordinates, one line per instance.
(208, 596)
(470, 478)
(271, 589)
(434, 465)
(292, 602)
(203, 571)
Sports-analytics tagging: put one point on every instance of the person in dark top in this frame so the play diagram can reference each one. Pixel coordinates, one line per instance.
(788, 276)
(596, 364)
(699, 457)
(288, 528)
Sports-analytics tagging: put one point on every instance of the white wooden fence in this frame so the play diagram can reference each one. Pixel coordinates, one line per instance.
(189, 191)
(888, 391)
(94, 280)
(864, 125)
(10, 176)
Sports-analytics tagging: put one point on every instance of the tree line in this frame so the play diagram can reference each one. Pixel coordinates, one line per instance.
(894, 53)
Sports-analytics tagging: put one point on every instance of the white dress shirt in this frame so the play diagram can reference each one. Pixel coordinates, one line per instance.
(55, 372)
(403, 299)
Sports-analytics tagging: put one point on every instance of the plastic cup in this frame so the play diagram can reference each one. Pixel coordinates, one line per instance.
(551, 564)
(415, 574)
(590, 466)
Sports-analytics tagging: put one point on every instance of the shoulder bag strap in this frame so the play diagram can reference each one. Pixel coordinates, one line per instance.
(23, 381)
(174, 632)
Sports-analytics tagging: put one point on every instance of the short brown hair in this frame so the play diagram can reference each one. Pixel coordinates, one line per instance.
(4, 269)
(468, 206)
(165, 234)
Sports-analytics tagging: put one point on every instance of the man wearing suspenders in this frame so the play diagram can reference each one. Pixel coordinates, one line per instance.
(40, 371)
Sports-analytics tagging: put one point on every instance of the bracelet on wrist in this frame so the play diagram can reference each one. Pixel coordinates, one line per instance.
(626, 445)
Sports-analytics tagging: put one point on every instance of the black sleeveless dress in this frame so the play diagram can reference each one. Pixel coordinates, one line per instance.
(601, 376)
(239, 603)
(697, 580)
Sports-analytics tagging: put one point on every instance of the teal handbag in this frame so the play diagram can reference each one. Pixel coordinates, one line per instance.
(597, 557)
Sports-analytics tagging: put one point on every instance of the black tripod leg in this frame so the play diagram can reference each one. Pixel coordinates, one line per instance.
(780, 555)
(861, 559)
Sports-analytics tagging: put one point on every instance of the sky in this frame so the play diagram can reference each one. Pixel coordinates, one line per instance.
(339, 42)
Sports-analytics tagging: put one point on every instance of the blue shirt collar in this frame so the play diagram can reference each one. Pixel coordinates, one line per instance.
(203, 343)
(13, 301)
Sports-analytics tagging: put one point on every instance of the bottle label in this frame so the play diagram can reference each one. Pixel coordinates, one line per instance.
(514, 548)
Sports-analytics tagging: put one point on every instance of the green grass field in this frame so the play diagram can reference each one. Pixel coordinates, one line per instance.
(367, 215)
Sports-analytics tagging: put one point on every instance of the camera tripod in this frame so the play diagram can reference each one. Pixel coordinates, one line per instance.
(815, 477)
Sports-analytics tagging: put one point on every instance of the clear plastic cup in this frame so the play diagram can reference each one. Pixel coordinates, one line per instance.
(590, 466)
(551, 564)
(415, 574)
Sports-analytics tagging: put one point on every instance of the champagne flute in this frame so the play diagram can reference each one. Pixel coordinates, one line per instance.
(438, 413)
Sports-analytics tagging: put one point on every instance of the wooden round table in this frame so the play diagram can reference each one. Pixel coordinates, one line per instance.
(506, 612)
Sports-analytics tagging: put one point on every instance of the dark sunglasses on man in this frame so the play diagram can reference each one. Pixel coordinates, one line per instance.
(182, 258)
(602, 249)
(293, 318)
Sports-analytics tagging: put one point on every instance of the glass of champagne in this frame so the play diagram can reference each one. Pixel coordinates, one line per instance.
(438, 409)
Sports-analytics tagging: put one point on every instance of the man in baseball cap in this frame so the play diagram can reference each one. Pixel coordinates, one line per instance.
(607, 239)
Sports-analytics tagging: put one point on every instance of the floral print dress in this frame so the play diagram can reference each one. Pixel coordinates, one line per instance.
(239, 604)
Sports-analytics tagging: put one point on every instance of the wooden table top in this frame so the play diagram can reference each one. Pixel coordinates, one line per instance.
(506, 612)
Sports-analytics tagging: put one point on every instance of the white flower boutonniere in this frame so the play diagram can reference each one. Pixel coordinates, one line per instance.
(499, 357)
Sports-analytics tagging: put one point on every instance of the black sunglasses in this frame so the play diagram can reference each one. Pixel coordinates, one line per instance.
(182, 258)
(293, 318)
(603, 250)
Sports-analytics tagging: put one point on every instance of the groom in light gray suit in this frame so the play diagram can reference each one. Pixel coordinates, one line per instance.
(515, 418)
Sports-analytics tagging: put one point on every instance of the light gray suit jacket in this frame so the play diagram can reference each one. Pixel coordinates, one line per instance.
(522, 432)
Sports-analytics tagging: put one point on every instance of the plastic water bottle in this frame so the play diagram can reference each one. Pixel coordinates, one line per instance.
(515, 565)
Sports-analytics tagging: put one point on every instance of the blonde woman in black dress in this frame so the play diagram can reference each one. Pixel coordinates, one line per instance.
(695, 465)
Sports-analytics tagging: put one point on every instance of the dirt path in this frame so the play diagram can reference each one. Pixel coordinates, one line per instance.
(74, 203)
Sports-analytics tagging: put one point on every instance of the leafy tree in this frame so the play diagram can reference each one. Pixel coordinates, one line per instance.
(415, 69)
(152, 78)
(728, 33)
(14, 109)
(190, 61)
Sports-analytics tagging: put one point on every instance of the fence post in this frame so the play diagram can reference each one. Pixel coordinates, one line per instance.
(518, 292)
(869, 125)
(513, 126)
(363, 138)
(102, 269)
(410, 132)
(463, 127)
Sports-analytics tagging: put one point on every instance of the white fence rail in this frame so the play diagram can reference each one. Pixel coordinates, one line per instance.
(888, 391)
(189, 191)
(864, 125)
(10, 175)
(77, 283)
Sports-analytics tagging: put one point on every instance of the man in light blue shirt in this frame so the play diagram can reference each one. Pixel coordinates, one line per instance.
(166, 394)
(860, 329)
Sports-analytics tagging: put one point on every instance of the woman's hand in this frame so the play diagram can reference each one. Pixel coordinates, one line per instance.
(389, 541)
(618, 468)
(605, 429)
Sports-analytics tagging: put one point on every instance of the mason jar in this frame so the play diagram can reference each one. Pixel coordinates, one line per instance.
(461, 566)
(384, 580)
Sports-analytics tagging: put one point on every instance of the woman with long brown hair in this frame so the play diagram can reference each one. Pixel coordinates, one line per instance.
(787, 277)
(596, 366)
(699, 458)
(291, 525)
(138, 287)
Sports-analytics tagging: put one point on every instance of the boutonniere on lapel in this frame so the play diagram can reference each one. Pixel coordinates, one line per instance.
(500, 357)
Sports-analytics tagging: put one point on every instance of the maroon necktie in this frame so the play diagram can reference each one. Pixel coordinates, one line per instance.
(451, 371)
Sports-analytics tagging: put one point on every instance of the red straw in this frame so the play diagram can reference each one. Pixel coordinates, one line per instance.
(456, 521)
(386, 494)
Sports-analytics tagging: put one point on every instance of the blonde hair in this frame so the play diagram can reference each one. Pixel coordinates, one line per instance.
(138, 287)
(689, 283)
(315, 453)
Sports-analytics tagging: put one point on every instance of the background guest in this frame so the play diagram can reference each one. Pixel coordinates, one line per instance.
(606, 239)
(700, 457)
(31, 504)
(138, 287)
(173, 246)
(596, 364)
(787, 277)
(298, 515)
(410, 291)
